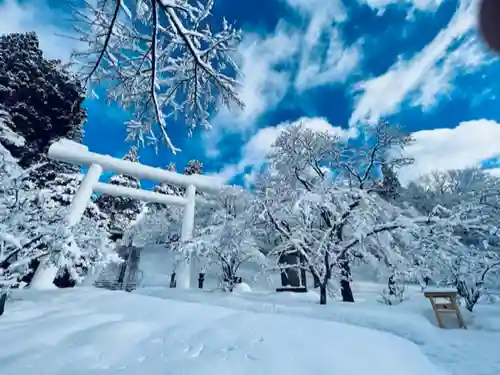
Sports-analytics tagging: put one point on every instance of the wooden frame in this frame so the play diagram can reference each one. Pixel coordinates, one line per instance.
(450, 305)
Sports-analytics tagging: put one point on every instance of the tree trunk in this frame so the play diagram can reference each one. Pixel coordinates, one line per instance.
(33, 267)
(322, 294)
(173, 281)
(3, 299)
(391, 285)
(121, 275)
(201, 280)
(345, 283)
(345, 289)
(317, 282)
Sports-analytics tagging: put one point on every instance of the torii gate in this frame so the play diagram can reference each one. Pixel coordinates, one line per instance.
(75, 153)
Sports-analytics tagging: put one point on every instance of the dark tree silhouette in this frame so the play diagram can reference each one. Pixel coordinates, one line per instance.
(41, 98)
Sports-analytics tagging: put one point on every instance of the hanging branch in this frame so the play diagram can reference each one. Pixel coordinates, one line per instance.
(158, 61)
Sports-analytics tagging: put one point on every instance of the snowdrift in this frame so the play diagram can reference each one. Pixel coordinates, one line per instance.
(88, 331)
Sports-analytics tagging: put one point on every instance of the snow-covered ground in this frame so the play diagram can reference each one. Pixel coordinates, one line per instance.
(460, 352)
(159, 330)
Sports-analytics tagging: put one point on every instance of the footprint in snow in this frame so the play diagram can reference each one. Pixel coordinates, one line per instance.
(229, 349)
(260, 340)
(197, 352)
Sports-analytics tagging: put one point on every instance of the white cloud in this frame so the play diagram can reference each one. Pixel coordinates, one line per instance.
(256, 150)
(324, 57)
(415, 5)
(469, 144)
(264, 84)
(287, 58)
(427, 75)
(24, 16)
(494, 172)
(327, 11)
(316, 70)
(438, 80)
(330, 61)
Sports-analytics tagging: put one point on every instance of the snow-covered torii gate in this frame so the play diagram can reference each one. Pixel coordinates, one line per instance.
(76, 153)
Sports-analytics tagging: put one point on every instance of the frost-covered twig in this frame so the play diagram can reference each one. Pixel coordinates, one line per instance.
(159, 60)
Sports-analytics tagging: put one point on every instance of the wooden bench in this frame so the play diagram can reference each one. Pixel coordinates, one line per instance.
(449, 305)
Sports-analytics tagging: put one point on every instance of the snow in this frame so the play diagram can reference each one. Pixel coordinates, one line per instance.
(242, 288)
(71, 145)
(63, 150)
(458, 352)
(100, 332)
(44, 277)
(10, 239)
(8, 135)
(157, 330)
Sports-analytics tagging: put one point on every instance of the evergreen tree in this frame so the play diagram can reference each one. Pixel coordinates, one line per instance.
(194, 167)
(41, 96)
(121, 211)
(390, 187)
(39, 103)
(63, 188)
(165, 188)
(9, 139)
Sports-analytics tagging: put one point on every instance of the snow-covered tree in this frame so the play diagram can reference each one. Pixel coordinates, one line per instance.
(390, 187)
(335, 227)
(193, 167)
(36, 239)
(162, 223)
(121, 210)
(226, 240)
(159, 58)
(165, 188)
(462, 256)
(305, 163)
(382, 146)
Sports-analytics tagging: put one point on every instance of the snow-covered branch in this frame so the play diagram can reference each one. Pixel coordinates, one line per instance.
(160, 59)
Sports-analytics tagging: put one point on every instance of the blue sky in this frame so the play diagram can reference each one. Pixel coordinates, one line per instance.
(334, 65)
